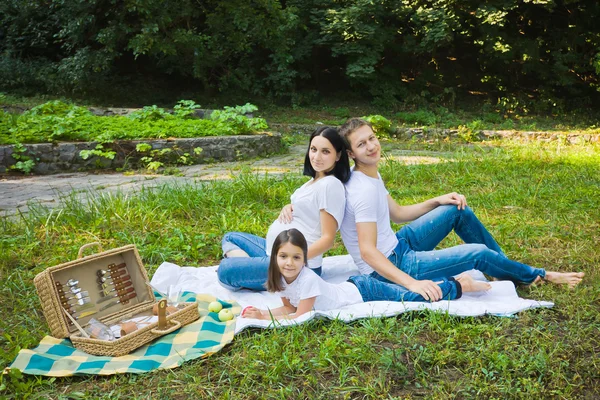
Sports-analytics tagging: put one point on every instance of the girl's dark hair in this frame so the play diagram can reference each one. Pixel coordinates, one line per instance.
(293, 236)
(341, 170)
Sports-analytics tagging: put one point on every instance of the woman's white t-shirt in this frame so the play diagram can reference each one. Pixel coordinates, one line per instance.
(329, 296)
(308, 200)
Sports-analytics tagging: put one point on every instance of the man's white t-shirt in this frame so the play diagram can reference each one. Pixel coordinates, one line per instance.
(308, 200)
(366, 201)
(329, 296)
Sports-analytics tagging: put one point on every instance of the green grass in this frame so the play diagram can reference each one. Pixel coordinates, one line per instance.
(539, 200)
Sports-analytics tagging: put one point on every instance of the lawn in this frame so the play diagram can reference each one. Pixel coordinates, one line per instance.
(540, 200)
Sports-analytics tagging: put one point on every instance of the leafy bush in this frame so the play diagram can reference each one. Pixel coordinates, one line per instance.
(380, 123)
(150, 113)
(420, 117)
(236, 118)
(186, 108)
(7, 121)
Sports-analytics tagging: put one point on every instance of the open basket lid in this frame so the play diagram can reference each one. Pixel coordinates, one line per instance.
(95, 302)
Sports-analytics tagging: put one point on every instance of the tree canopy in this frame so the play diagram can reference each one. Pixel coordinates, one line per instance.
(391, 49)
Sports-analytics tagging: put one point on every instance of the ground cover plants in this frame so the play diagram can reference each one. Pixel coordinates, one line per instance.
(540, 200)
(59, 121)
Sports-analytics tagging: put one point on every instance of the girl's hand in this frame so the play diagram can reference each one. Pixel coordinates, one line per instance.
(453, 198)
(285, 216)
(252, 312)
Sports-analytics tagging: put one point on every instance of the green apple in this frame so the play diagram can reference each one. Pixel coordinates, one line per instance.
(215, 306)
(225, 315)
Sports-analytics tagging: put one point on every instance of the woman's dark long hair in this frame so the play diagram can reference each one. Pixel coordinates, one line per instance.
(341, 170)
(293, 236)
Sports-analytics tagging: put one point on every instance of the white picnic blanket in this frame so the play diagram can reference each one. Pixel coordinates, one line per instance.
(501, 300)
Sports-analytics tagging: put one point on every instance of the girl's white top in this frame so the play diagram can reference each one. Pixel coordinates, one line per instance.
(329, 296)
(308, 200)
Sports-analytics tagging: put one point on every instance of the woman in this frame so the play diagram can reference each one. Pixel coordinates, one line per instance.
(316, 210)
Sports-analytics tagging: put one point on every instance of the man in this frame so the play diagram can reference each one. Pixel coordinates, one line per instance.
(408, 257)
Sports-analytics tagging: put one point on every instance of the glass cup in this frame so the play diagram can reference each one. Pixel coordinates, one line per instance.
(173, 294)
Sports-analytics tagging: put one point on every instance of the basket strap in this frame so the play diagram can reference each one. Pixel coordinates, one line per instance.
(85, 246)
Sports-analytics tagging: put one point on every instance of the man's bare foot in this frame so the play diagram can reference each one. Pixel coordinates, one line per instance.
(571, 279)
(469, 284)
(236, 253)
(536, 282)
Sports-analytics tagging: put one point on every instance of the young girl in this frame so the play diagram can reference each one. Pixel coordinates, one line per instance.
(316, 210)
(302, 290)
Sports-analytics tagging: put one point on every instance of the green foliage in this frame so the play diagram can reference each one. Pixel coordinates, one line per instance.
(55, 120)
(421, 117)
(24, 162)
(143, 147)
(57, 108)
(157, 158)
(342, 112)
(150, 114)
(186, 108)
(236, 117)
(539, 51)
(380, 123)
(7, 121)
(99, 151)
(468, 134)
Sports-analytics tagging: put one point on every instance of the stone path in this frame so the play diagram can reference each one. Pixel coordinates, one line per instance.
(18, 194)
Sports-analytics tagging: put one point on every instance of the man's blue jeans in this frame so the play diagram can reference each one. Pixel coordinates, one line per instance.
(237, 273)
(372, 289)
(416, 256)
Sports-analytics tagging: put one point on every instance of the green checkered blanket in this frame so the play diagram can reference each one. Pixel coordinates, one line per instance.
(201, 338)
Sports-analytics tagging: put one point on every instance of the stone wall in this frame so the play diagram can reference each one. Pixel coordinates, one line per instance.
(61, 157)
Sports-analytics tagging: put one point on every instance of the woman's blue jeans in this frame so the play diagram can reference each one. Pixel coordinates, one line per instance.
(375, 290)
(237, 273)
(416, 256)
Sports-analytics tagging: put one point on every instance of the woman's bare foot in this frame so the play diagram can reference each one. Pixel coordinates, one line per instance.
(469, 284)
(571, 279)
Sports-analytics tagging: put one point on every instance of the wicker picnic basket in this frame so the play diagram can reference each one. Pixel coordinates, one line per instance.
(136, 300)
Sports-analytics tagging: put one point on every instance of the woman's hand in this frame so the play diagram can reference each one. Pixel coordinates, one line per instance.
(458, 200)
(285, 216)
(428, 289)
(252, 312)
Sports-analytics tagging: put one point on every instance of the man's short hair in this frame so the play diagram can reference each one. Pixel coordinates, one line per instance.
(350, 127)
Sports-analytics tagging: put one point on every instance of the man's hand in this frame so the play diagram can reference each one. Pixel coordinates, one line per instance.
(285, 216)
(428, 289)
(458, 200)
